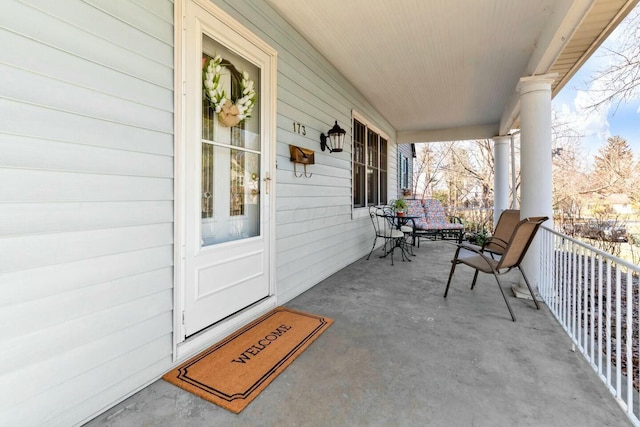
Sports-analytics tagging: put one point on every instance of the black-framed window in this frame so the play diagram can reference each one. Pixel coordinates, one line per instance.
(404, 172)
(369, 166)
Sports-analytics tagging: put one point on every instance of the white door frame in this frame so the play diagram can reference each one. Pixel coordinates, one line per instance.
(268, 101)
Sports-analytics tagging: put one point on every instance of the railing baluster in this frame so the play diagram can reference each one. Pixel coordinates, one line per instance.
(618, 336)
(608, 323)
(566, 287)
(547, 255)
(544, 267)
(563, 289)
(637, 344)
(581, 301)
(563, 282)
(574, 287)
(592, 296)
(629, 330)
(600, 275)
(585, 300)
(555, 273)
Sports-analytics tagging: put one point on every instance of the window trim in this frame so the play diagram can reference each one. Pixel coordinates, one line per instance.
(363, 211)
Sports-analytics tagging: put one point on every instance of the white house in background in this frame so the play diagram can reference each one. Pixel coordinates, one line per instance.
(136, 228)
(620, 203)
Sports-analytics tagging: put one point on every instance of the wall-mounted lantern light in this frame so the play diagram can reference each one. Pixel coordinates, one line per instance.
(334, 140)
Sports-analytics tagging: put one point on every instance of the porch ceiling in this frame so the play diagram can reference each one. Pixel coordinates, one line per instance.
(448, 70)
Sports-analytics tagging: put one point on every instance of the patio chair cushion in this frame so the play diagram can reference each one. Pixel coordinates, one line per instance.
(415, 208)
(436, 218)
(406, 229)
(394, 233)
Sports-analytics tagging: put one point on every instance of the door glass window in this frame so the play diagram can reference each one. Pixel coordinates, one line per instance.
(231, 151)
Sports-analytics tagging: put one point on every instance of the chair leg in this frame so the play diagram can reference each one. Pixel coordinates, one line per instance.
(408, 245)
(405, 248)
(529, 286)
(372, 247)
(513, 317)
(392, 250)
(399, 245)
(454, 262)
(475, 277)
(389, 248)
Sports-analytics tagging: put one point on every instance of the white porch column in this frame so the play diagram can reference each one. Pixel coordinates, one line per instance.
(500, 175)
(535, 165)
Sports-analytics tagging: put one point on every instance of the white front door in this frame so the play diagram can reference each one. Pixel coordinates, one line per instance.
(228, 116)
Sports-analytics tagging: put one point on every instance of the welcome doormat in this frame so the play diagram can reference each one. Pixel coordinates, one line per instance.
(235, 370)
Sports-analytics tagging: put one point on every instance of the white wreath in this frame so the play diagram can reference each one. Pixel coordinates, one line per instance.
(231, 112)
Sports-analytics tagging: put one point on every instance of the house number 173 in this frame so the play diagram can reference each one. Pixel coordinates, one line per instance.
(298, 128)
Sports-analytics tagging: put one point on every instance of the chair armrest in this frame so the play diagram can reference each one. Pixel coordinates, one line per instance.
(471, 248)
(456, 219)
(496, 241)
(475, 249)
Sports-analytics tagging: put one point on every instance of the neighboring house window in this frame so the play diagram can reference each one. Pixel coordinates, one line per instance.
(404, 172)
(369, 166)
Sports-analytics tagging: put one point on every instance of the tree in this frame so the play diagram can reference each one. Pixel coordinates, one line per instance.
(460, 170)
(571, 187)
(468, 171)
(613, 168)
(427, 168)
(619, 80)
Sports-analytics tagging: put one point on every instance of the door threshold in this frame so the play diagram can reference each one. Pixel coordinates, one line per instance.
(215, 333)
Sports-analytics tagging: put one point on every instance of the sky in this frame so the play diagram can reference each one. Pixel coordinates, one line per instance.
(622, 119)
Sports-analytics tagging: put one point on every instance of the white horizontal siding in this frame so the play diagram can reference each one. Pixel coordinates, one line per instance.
(22, 286)
(119, 23)
(71, 37)
(38, 90)
(55, 402)
(71, 186)
(84, 330)
(33, 121)
(316, 231)
(70, 337)
(30, 317)
(83, 359)
(134, 376)
(65, 66)
(33, 251)
(25, 152)
(55, 217)
(86, 205)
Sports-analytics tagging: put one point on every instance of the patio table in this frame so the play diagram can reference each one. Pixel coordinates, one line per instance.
(399, 221)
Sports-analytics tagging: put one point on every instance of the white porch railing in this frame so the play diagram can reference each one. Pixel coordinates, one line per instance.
(595, 297)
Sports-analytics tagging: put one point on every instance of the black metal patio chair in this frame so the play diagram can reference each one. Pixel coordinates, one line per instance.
(385, 228)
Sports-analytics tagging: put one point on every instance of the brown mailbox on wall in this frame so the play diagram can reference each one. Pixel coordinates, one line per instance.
(301, 155)
(304, 157)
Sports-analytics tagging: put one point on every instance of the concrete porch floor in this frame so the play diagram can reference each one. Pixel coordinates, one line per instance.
(399, 354)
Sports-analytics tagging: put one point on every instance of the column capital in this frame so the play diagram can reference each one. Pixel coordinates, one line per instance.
(502, 139)
(542, 82)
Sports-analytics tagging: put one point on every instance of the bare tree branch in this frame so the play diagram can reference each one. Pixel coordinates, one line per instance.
(619, 81)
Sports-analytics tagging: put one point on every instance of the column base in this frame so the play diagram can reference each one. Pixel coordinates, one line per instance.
(521, 292)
